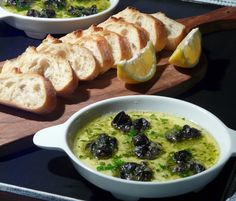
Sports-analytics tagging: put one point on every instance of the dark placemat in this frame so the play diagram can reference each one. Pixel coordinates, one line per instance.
(230, 188)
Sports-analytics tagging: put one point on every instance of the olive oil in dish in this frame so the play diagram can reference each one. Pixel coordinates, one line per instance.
(145, 146)
(55, 8)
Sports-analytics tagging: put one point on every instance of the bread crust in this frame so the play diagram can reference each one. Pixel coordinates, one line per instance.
(96, 44)
(154, 28)
(75, 54)
(31, 61)
(125, 48)
(172, 42)
(70, 87)
(105, 51)
(121, 46)
(122, 27)
(161, 35)
(50, 99)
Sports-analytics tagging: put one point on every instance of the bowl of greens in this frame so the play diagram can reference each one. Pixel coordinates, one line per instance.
(143, 146)
(41, 17)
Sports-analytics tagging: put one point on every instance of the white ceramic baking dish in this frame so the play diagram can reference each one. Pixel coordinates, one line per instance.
(40, 27)
(59, 137)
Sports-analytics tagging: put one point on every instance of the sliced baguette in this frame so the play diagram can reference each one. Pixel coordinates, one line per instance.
(154, 27)
(81, 59)
(30, 92)
(175, 30)
(72, 37)
(136, 36)
(119, 46)
(97, 44)
(56, 69)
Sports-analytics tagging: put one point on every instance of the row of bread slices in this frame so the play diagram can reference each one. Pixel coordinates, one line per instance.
(82, 55)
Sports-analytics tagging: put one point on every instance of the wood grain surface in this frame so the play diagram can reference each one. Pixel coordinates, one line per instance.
(169, 80)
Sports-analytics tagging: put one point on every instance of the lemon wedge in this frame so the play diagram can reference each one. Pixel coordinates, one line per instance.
(140, 68)
(188, 52)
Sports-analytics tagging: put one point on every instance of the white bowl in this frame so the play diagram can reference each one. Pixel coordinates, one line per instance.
(58, 137)
(40, 27)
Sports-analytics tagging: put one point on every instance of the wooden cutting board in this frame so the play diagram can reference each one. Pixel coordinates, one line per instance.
(169, 80)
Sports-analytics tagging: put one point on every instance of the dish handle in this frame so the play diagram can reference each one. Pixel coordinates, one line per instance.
(50, 138)
(232, 134)
(3, 14)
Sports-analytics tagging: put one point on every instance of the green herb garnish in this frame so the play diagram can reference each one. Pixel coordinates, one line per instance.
(164, 121)
(114, 165)
(132, 132)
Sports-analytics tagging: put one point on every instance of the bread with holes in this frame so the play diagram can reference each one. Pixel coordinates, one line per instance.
(154, 27)
(30, 92)
(119, 46)
(81, 59)
(135, 35)
(175, 30)
(97, 44)
(52, 67)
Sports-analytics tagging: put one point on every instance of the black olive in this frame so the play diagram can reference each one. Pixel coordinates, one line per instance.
(55, 3)
(140, 139)
(135, 171)
(82, 11)
(93, 9)
(73, 11)
(148, 151)
(188, 168)
(182, 156)
(103, 146)
(180, 168)
(23, 3)
(122, 121)
(90, 10)
(47, 13)
(189, 132)
(174, 136)
(140, 124)
(197, 167)
(12, 2)
(33, 13)
(183, 164)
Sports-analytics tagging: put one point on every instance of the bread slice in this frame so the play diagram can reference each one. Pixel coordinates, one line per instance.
(136, 36)
(30, 92)
(175, 30)
(81, 59)
(56, 69)
(119, 45)
(97, 44)
(72, 37)
(154, 27)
